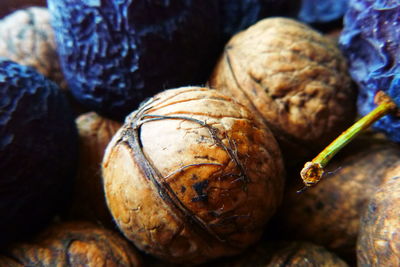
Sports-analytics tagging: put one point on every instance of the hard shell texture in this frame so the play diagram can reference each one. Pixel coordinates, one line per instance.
(379, 238)
(293, 77)
(322, 11)
(369, 41)
(329, 213)
(286, 254)
(192, 175)
(73, 244)
(27, 38)
(88, 202)
(114, 54)
(38, 149)
(238, 15)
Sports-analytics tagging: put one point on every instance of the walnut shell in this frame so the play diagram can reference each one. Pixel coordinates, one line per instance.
(379, 238)
(329, 213)
(285, 254)
(88, 203)
(192, 175)
(27, 38)
(294, 77)
(73, 244)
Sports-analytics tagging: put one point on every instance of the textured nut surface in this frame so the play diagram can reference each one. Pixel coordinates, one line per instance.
(27, 38)
(194, 185)
(95, 132)
(73, 244)
(329, 213)
(379, 238)
(286, 254)
(294, 77)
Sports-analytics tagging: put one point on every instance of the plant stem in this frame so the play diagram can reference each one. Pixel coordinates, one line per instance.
(314, 170)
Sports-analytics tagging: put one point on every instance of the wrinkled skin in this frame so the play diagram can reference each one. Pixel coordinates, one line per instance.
(38, 150)
(369, 40)
(114, 54)
(322, 11)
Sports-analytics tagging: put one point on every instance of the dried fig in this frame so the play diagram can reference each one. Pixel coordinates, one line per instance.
(192, 175)
(292, 76)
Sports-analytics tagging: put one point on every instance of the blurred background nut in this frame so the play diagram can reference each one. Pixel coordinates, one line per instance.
(293, 77)
(379, 238)
(192, 175)
(95, 132)
(27, 38)
(72, 244)
(329, 214)
(285, 254)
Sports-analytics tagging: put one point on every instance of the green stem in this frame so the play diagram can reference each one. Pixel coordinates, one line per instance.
(314, 170)
(347, 136)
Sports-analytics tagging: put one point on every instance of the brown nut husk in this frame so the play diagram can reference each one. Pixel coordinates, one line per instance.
(88, 200)
(329, 213)
(72, 244)
(379, 238)
(292, 76)
(27, 38)
(192, 175)
(285, 254)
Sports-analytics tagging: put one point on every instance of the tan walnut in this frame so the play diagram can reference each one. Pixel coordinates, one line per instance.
(192, 175)
(88, 200)
(72, 244)
(292, 76)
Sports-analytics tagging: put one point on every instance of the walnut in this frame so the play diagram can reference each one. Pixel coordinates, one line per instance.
(27, 38)
(329, 214)
(285, 254)
(88, 201)
(378, 242)
(72, 244)
(292, 76)
(192, 175)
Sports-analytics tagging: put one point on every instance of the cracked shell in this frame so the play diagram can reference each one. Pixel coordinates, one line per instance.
(192, 175)
(293, 77)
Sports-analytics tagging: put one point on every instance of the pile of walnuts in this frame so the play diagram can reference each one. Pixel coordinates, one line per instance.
(208, 174)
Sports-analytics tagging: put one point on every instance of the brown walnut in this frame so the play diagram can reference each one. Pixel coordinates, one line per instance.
(292, 76)
(285, 254)
(27, 38)
(73, 244)
(192, 175)
(378, 242)
(329, 213)
(88, 201)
